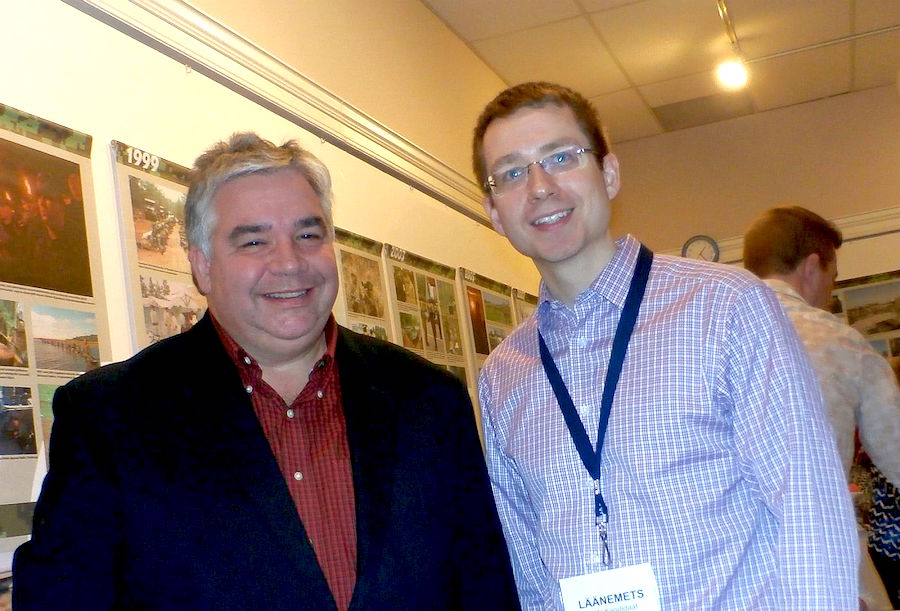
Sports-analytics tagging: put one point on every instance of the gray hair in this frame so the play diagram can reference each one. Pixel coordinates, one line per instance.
(242, 154)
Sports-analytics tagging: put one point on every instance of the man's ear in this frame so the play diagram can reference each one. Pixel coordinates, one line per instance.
(611, 176)
(491, 210)
(199, 269)
(807, 273)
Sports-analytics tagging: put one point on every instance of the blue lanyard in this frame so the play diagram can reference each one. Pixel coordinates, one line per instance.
(589, 457)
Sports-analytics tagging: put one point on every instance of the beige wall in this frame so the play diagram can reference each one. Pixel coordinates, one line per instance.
(71, 69)
(392, 59)
(395, 61)
(839, 157)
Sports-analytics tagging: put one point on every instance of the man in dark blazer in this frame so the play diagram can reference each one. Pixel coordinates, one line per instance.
(266, 458)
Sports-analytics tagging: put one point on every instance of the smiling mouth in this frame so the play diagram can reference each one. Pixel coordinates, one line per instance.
(553, 218)
(287, 294)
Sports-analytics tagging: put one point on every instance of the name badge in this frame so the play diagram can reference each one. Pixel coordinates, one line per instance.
(631, 588)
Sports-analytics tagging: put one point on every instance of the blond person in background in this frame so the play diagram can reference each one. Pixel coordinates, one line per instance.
(794, 251)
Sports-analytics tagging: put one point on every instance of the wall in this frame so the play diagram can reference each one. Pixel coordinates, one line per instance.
(66, 67)
(838, 156)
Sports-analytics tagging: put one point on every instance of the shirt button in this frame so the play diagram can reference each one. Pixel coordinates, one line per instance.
(298, 476)
(247, 360)
(582, 342)
(320, 394)
(595, 558)
(289, 413)
(248, 388)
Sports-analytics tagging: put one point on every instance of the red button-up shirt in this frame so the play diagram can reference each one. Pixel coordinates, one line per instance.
(309, 441)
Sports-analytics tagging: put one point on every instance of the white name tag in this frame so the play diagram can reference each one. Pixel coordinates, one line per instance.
(632, 588)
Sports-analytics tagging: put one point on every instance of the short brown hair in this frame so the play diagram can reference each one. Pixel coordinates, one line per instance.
(536, 95)
(780, 238)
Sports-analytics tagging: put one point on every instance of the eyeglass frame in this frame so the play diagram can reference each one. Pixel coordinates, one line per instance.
(491, 185)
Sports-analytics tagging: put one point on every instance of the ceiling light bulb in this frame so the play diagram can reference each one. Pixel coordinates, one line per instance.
(732, 74)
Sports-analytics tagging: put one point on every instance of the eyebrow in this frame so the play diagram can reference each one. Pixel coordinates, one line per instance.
(302, 223)
(514, 157)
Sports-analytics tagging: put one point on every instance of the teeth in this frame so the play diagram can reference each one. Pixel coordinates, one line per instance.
(546, 220)
(287, 295)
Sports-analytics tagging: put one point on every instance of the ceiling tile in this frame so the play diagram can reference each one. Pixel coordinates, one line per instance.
(568, 52)
(625, 116)
(658, 40)
(479, 19)
(593, 6)
(876, 14)
(765, 27)
(876, 60)
(680, 89)
(800, 77)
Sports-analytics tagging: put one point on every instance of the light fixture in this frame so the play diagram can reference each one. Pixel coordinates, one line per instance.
(732, 73)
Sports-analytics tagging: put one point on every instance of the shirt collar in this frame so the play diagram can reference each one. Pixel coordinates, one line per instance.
(247, 365)
(612, 284)
(784, 288)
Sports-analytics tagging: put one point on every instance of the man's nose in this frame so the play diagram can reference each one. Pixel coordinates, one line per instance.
(287, 257)
(539, 182)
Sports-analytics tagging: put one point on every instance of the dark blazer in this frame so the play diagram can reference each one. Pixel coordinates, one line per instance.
(162, 491)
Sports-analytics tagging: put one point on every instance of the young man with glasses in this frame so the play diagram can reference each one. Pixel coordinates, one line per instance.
(655, 435)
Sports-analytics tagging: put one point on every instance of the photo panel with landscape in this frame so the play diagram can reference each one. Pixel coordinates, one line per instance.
(64, 339)
(871, 305)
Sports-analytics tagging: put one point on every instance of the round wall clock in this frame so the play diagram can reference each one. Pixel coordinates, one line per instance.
(701, 247)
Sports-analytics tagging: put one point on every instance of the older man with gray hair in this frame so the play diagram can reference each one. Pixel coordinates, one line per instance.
(267, 458)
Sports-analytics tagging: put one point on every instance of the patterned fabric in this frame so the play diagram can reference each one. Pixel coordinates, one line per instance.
(309, 441)
(719, 467)
(858, 383)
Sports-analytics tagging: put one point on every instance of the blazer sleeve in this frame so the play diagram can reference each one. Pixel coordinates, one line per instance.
(69, 561)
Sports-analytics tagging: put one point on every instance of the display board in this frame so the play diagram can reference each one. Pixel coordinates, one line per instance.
(426, 316)
(151, 194)
(871, 305)
(362, 303)
(524, 305)
(52, 312)
(490, 315)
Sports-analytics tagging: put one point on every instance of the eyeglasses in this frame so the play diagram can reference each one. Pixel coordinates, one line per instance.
(559, 162)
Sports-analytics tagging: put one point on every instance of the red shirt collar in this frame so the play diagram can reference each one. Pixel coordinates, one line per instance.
(247, 365)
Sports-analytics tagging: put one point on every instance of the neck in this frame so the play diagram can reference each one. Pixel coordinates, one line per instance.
(567, 279)
(289, 377)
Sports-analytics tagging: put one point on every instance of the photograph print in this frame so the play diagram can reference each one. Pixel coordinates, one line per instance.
(17, 434)
(159, 232)
(64, 339)
(13, 344)
(43, 239)
(169, 307)
(362, 284)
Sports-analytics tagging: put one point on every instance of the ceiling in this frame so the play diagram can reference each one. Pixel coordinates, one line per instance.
(649, 65)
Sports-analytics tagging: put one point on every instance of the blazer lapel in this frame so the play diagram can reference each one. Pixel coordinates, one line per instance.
(371, 434)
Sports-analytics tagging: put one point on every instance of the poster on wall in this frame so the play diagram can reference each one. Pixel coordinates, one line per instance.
(427, 317)
(53, 323)
(490, 314)
(151, 193)
(362, 303)
(871, 305)
(524, 305)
